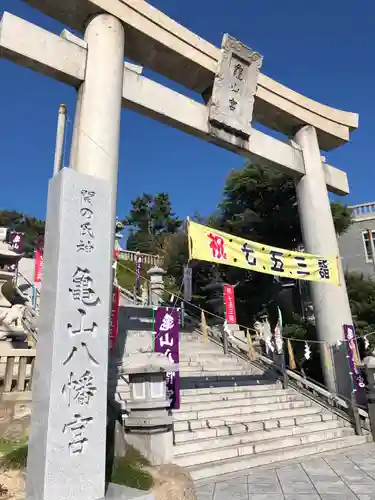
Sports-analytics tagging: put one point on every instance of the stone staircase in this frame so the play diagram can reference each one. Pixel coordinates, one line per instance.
(234, 416)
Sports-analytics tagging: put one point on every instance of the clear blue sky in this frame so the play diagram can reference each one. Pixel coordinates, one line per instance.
(322, 48)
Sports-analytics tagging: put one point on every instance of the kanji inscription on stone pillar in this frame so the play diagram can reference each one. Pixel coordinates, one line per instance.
(68, 430)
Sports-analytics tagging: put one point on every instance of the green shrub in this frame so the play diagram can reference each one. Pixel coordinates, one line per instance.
(14, 454)
(130, 470)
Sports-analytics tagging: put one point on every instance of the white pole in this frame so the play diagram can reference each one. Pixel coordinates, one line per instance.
(73, 147)
(60, 140)
(331, 303)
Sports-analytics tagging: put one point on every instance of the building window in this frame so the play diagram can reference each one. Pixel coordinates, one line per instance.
(366, 242)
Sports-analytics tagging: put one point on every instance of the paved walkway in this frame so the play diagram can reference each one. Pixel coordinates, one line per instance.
(345, 475)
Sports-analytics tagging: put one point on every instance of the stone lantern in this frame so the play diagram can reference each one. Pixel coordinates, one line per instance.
(148, 421)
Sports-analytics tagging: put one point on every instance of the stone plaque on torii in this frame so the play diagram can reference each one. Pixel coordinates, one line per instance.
(95, 66)
(233, 94)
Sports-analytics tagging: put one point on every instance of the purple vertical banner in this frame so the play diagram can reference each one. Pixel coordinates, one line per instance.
(16, 241)
(16, 244)
(167, 341)
(351, 348)
(138, 273)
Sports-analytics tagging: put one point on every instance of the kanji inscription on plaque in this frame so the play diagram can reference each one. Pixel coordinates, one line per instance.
(232, 101)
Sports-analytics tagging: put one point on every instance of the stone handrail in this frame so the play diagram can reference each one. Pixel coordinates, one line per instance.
(130, 295)
(363, 211)
(16, 368)
(146, 258)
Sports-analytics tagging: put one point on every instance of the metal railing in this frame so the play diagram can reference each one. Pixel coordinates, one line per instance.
(345, 408)
(35, 299)
(16, 368)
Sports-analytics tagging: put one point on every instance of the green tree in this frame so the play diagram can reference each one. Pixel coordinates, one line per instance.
(151, 219)
(258, 204)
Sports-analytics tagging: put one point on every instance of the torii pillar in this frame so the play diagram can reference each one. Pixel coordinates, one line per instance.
(96, 138)
(331, 302)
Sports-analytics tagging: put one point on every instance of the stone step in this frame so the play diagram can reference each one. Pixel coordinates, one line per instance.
(200, 349)
(192, 349)
(277, 445)
(232, 395)
(208, 358)
(198, 354)
(251, 437)
(211, 429)
(218, 365)
(216, 372)
(264, 386)
(238, 411)
(208, 370)
(245, 401)
(246, 419)
(188, 382)
(202, 357)
(213, 364)
(239, 463)
(183, 433)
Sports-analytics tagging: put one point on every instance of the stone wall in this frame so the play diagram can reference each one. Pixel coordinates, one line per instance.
(15, 411)
(352, 249)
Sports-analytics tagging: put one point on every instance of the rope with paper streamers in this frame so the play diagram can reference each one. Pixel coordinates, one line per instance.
(288, 340)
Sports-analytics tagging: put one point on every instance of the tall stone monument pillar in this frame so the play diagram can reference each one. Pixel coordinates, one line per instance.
(67, 444)
(331, 303)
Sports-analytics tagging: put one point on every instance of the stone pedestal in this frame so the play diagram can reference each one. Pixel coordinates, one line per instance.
(157, 447)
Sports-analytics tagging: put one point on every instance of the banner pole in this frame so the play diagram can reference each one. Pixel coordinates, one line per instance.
(189, 241)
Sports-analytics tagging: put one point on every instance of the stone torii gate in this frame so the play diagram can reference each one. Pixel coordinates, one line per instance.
(115, 29)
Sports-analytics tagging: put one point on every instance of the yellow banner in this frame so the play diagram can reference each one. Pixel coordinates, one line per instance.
(211, 245)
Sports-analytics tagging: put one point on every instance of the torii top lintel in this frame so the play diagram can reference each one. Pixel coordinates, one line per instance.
(156, 41)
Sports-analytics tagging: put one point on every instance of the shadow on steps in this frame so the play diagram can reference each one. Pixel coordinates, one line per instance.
(225, 381)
